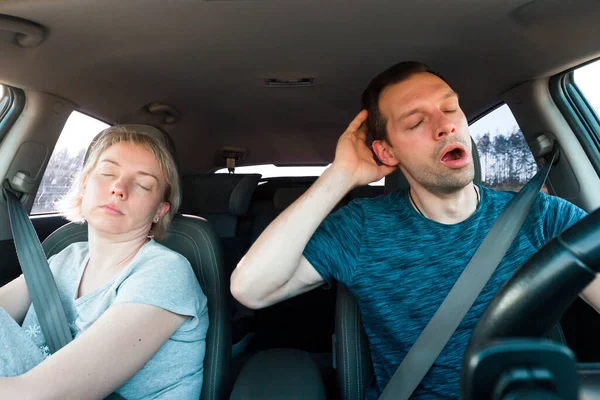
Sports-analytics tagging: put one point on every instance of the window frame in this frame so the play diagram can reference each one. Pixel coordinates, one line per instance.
(11, 112)
(578, 112)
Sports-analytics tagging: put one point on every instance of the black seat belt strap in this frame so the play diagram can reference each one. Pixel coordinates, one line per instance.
(39, 279)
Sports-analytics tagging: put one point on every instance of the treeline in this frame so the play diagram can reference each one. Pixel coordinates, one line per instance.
(506, 160)
(57, 179)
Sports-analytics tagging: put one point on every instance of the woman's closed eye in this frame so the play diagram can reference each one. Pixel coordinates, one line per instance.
(147, 188)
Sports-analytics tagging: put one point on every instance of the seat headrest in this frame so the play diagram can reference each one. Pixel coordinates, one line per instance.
(144, 130)
(285, 196)
(396, 180)
(218, 193)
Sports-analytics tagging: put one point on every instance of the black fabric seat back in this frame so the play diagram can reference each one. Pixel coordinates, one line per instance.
(193, 238)
(222, 199)
(304, 322)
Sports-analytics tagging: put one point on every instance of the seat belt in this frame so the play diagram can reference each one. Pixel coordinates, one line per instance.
(38, 277)
(465, 291)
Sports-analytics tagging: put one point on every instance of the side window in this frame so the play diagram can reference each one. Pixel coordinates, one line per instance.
(66, 160)
(12, 101)
(587, 79)
(506, 161)
(4, 100)
(274, 171)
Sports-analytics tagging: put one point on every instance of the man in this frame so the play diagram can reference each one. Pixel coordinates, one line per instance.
(399, 254)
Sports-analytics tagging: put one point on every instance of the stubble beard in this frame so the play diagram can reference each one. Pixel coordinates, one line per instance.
(437, 178)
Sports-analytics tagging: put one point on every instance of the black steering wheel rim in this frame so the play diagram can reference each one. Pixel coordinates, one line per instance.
(534, 299)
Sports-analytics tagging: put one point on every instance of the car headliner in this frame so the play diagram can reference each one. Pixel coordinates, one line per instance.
(209, 59)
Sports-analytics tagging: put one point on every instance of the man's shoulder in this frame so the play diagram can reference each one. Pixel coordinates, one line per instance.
(382, 200)
(502, 197)
(549, 215)
(497, 194)
(543, 201)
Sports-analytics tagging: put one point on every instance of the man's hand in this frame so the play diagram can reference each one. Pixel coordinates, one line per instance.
(354, 158)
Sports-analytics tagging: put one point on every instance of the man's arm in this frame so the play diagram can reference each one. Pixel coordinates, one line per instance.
(274, 268)
(14, 298)
(100, 360)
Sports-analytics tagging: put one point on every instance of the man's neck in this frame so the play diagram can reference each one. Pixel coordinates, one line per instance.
(448, 208)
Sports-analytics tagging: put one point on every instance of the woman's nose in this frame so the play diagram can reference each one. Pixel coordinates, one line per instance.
(119, 189)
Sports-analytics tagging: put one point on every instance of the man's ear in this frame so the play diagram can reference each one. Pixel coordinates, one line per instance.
(383, 151)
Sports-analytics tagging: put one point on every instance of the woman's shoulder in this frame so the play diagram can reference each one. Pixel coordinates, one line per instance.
(156, 261)
(73, 253)
(162, 277)
(154, 251)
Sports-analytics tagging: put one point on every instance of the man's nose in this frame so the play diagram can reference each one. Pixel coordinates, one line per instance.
(444, 127)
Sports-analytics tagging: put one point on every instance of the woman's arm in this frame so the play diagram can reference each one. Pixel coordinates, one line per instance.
(14, 298)
(100, 360)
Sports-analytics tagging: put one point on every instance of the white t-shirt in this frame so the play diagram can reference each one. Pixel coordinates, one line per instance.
(157, 276)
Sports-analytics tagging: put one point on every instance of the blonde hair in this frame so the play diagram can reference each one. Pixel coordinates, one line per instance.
(70, 203)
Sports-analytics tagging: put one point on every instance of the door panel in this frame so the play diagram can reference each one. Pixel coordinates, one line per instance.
(9, 265)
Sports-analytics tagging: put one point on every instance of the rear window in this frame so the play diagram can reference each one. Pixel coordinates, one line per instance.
(275, 171)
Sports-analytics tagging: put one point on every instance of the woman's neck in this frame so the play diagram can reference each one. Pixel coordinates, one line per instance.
(106, 253)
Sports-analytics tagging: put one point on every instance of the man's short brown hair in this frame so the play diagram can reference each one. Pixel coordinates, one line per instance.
(376, 122)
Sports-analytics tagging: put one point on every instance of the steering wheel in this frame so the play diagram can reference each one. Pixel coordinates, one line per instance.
(534, 299)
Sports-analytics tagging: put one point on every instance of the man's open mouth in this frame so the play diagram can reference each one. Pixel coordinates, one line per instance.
(454, 154)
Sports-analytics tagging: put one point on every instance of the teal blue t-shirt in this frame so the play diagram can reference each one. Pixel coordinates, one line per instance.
(400, 266)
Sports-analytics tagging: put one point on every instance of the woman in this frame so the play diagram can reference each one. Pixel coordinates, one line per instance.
(135, 308)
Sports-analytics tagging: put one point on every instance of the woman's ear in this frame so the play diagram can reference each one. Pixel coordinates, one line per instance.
(163, 208)
(383, 151)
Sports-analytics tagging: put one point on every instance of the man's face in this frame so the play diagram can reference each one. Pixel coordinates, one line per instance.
(428, 133)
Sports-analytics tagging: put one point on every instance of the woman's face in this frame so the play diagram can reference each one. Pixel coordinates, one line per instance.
(123, 194)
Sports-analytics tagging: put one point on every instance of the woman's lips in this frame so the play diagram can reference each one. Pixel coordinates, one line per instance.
(112, 210)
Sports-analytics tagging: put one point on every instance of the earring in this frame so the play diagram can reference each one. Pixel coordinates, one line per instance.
(156, 220)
